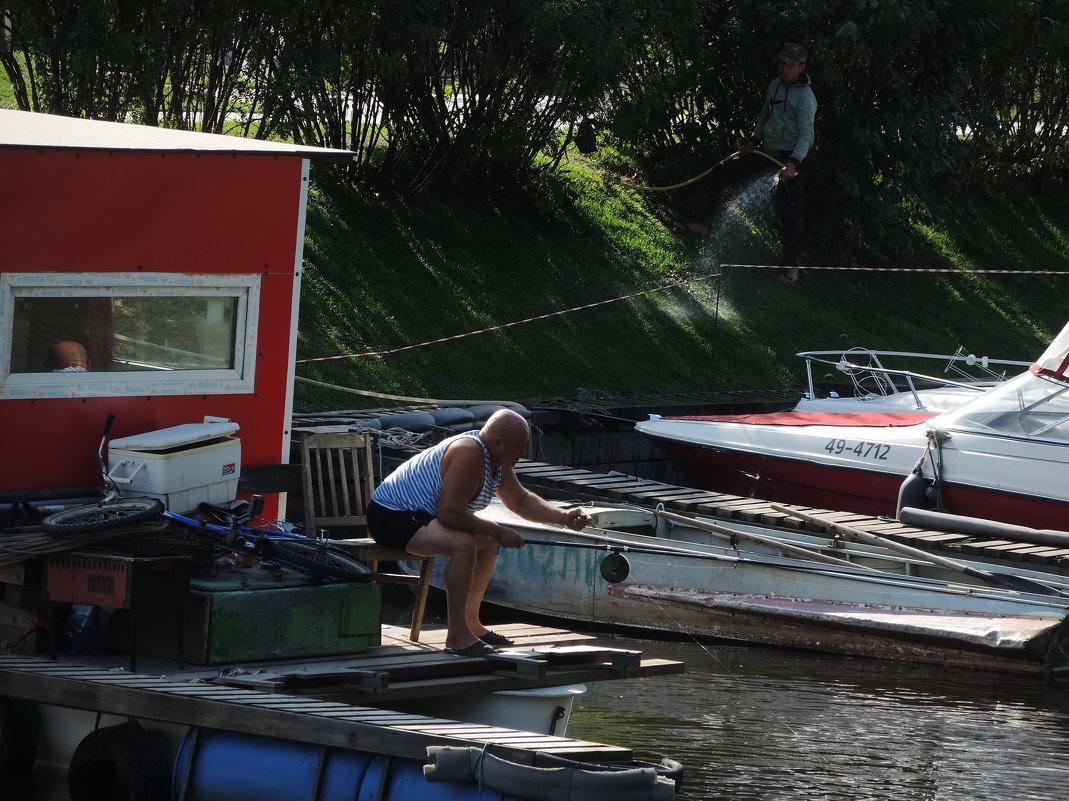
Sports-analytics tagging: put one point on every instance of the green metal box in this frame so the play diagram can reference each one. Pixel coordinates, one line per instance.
(251, 614)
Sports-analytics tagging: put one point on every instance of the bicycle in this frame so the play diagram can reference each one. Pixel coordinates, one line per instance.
(111, 512)
(273, 541)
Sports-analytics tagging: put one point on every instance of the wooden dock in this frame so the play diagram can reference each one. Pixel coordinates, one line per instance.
(400, 670)
(560, 482)
(328, 702)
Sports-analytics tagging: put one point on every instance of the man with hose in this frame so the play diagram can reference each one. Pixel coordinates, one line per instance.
(427, 508)
(785, 131)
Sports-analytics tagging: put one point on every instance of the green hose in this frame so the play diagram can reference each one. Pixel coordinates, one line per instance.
(630, 185)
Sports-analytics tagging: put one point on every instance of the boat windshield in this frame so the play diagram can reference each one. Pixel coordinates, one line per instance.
(1028, 405)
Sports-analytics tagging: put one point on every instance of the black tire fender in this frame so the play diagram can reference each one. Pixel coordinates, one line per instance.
(119, 763)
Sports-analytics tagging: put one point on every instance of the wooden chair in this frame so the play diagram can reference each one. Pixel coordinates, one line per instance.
(339, 478)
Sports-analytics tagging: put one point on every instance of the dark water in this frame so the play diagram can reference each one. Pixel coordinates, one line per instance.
(755, 723)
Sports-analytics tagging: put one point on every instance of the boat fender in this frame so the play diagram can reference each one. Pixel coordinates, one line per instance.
(980, 527)
(451, 417)
(119, 763)
(667, 767)
(482, 413)
(371, 424)
(416, 422)
(578, 781)
(913, 492)
(20, 731)
(460, 428)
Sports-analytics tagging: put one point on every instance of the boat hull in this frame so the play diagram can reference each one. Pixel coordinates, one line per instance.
(760, 598)
(750, 474)
(861, 469)
(1016, 645)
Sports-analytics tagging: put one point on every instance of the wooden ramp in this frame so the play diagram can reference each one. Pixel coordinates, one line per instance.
(247, 711)
(401, 670)
(558, 481)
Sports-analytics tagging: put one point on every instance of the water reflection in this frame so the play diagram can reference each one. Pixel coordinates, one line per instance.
(754, 723)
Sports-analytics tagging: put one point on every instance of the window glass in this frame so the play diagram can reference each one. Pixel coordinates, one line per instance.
(1028, 405)
(127, 334)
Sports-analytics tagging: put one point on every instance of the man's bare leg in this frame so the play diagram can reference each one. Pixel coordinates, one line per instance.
(434, 539)
(485, 561)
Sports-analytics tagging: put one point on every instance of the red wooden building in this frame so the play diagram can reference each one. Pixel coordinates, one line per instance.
(173, 258)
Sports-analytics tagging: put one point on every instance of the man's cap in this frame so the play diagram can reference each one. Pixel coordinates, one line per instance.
(792, 55)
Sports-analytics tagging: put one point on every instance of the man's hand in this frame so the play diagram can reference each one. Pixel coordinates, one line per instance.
(576, 519)
(788, 172)
(747, 148)
(507, 538)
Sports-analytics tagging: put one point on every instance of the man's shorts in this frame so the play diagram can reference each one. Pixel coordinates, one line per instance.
(394, 529)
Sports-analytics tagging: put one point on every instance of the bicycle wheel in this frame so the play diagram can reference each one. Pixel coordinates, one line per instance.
(102, 516)
(315, 560)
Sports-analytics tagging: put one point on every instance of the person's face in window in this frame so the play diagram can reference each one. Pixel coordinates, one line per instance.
(69, 357)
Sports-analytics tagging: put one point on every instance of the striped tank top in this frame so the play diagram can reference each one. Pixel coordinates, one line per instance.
(417, 483)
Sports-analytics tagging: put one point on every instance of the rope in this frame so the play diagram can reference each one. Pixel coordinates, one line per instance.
(405, 398)
(586, 306)
(508, 325)
(639, 188)
(937, 438)
(904, 269)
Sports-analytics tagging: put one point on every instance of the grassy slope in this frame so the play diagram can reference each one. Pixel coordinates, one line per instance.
(384, 275)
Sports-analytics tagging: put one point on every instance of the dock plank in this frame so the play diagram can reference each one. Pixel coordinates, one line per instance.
(649, 493)
(623, 493)
(317, 722)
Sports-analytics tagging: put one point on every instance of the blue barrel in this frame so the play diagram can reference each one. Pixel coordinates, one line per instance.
(225, 766)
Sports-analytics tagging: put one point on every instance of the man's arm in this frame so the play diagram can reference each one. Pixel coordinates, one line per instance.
(462, 480)
(807, 114)
(531, 507)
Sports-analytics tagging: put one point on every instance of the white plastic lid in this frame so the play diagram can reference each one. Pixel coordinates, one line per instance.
(174, 437)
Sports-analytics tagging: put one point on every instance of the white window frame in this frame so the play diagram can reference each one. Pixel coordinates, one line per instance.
(241, 379)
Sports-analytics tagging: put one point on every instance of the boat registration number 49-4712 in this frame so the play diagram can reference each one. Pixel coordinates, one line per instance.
(864, 450)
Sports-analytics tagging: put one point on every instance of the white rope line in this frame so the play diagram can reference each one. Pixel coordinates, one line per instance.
(509, 325)
(903, 270)
(665, 287)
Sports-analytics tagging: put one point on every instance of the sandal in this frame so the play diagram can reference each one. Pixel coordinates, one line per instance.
(493, 638)
(476, 649)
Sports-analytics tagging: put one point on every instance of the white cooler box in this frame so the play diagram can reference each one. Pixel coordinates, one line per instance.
(182, 465)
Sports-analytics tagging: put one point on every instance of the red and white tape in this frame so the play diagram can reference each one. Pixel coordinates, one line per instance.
(902, 270)
(673, 286)
(509, 325)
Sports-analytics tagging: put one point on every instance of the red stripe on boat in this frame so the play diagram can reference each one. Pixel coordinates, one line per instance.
(867, 419)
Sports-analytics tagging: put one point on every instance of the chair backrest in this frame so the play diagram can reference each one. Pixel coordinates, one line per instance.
(338, 478)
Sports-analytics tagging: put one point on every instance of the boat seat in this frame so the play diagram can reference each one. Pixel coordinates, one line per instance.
(339, 478)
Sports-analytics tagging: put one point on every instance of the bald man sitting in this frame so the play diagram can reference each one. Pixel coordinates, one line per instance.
(427, 508)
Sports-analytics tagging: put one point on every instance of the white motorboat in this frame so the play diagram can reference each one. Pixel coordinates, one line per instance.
(1002, 456)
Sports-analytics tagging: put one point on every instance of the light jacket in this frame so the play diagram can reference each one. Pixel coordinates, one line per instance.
(786, 122)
